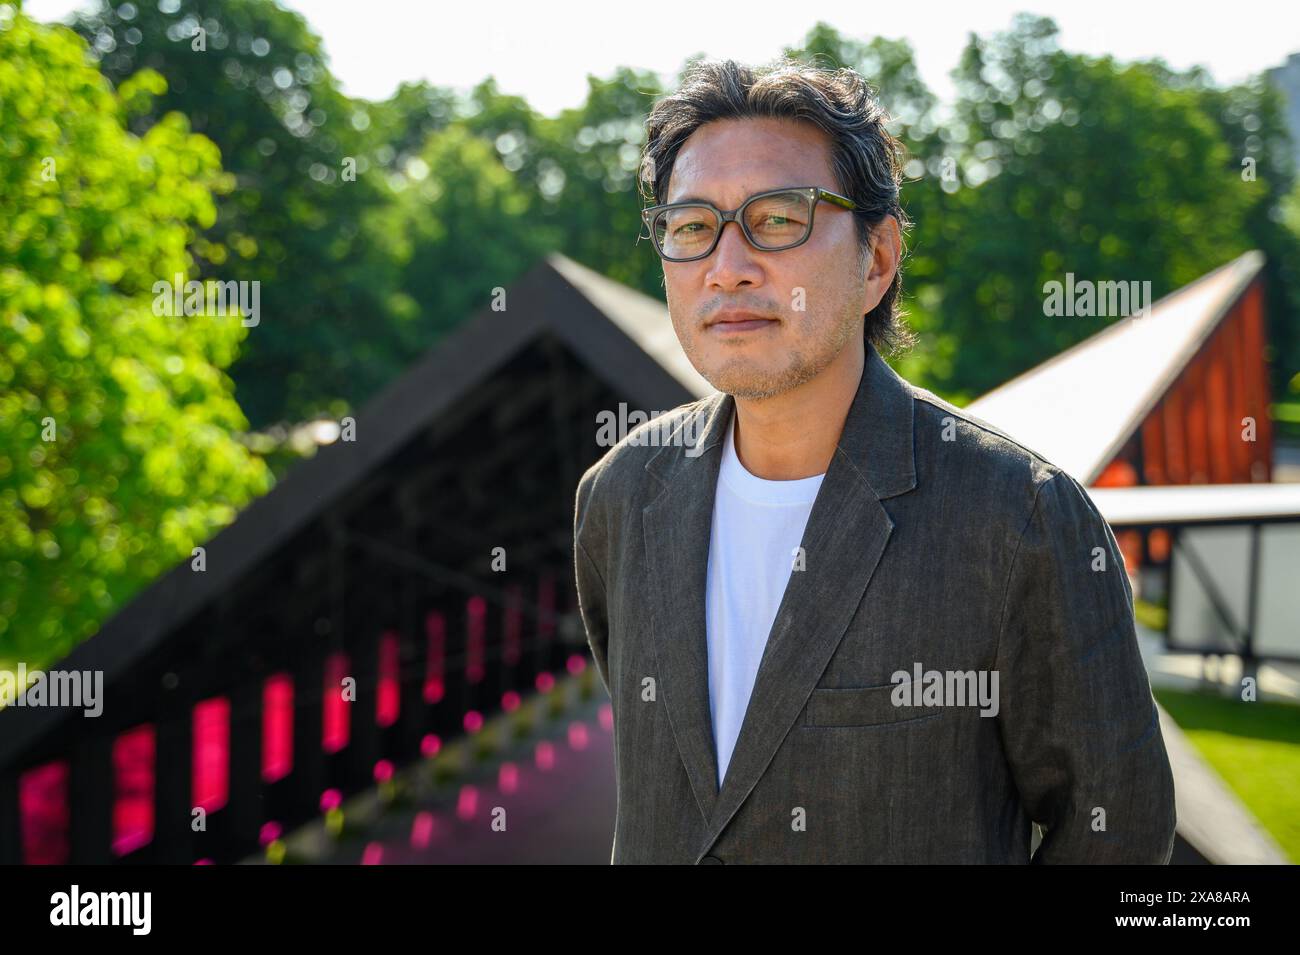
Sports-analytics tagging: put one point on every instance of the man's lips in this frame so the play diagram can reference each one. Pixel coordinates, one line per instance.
(729, 322)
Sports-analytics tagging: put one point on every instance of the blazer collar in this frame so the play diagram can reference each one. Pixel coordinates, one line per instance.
(877, 435)
(847, 532)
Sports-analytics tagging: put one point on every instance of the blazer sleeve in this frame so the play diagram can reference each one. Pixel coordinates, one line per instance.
(589, 577)
(1078, 721)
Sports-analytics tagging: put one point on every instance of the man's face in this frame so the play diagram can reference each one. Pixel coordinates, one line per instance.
(813, 296)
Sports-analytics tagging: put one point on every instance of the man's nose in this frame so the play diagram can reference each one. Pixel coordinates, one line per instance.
(734, 260)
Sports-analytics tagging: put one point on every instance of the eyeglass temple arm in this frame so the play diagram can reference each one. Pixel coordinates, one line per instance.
(837, 199)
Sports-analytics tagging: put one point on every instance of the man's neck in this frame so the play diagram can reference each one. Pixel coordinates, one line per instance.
(793, 435)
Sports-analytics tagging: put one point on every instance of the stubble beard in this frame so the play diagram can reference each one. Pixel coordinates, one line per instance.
(739, 378)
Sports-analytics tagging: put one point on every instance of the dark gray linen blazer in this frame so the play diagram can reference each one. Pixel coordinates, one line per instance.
(935, 541)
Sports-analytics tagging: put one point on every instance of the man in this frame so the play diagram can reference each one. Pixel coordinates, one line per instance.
(839, 620)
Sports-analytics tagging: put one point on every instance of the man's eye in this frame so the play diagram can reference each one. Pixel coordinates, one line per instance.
(779, 220)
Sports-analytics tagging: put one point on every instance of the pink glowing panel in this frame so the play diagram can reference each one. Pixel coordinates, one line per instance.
(473, 721)
(510, 701)
(514, 625)
(545, 755)
(545, 682)
(335, 715)
(578, 735)
(435, 630)
(383, 771)
(330, 799)
(43, 814)
(576, 663)
(467, 802)
(422, 830)
(607, 718)
(277, 727)
(269, 832)
(508, 777)
(133, 789)
(373, 855)
(476, 638)
(210, 779)
(388, 705)
(430, 745)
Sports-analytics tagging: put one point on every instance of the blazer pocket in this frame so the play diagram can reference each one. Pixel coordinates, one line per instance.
(861, 706)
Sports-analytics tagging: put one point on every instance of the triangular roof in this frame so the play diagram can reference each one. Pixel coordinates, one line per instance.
(643, 319)
(1078, 408)
(624, 337)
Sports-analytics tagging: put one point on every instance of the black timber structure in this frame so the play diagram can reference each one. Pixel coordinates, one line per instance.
(478, 446)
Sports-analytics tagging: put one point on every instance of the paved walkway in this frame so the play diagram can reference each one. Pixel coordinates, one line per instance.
(551, 795)
(1191, 671)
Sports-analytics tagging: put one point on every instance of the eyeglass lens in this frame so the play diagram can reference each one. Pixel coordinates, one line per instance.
(773, 222)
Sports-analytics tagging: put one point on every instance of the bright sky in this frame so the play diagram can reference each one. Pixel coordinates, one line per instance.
(544, 51)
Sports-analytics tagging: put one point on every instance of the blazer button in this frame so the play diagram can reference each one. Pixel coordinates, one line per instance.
(711, 860)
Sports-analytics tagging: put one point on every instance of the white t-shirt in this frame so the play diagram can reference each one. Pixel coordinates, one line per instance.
(757, 525)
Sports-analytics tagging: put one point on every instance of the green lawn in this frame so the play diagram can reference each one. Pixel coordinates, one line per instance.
(1255, 747)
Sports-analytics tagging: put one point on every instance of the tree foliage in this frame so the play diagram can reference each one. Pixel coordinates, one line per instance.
(117, 452)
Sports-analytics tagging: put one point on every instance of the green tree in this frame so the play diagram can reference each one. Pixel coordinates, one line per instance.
(309, 217)
(116, 455)
(587, 177)
(1070, 164)
(399, 126)
(469, 225)
(1251, 119)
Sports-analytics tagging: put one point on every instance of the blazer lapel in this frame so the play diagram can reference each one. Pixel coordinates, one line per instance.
(676, 528)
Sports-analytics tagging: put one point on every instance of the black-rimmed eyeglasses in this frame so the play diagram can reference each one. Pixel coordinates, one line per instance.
(772, 221)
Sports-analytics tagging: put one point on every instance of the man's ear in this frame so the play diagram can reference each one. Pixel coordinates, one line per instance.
(881, 260)
(887, 248)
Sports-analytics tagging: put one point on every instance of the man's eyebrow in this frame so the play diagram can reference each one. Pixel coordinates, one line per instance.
(694, 198)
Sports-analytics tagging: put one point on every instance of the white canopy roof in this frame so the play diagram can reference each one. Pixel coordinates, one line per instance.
(1078, 408)
(1196, 503)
